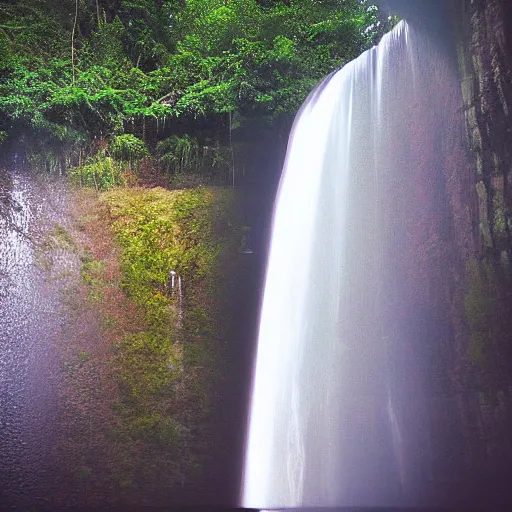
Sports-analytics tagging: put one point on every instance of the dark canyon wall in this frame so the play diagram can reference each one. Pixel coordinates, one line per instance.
(458, 237)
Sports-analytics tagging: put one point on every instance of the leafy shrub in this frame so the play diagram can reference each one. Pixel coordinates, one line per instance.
(128, 148)
(179, 154)
(100, 172)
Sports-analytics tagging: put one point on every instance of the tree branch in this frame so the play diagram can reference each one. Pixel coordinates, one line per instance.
(163, 98)
(7, 27)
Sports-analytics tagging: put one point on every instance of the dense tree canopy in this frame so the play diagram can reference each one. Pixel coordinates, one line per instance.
(76, 70)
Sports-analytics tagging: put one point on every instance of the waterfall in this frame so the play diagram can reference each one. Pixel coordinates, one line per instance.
(180, 303)
(173, 276)
(338, 399)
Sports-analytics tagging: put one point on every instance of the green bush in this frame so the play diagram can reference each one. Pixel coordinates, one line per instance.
(179, 154)
(128, 148)
(99, 172)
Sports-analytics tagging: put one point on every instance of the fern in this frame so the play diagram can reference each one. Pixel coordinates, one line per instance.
(179, 154)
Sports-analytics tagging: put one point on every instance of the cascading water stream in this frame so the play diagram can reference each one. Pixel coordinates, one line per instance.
(175, 278)
(338, 402)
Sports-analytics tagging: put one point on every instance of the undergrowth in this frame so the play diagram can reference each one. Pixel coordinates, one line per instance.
(99, 172)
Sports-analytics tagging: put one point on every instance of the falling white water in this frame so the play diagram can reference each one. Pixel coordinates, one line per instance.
(179, 295)
(331, 421)
(180, 303)
(173, 277)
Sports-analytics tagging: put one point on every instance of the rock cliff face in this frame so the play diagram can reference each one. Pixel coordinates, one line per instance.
(467, 292)
(470, 377)
(485, 63)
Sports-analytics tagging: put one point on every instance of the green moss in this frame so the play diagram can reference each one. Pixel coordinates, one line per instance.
(109, 322)
(483, 214)
(479, 300)
(93, 274)
(92, 270)
(63, 236)
(83, 357)
(499, 215)
(161, 230)
(58, 238)
(83, 473)
(74, 365)
(476, 347)
(158, 429)
(165, 372)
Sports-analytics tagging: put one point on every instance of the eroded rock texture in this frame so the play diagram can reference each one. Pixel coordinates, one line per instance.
(484, 50)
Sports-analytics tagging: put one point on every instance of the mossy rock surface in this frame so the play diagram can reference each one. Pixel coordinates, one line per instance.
(167, 370)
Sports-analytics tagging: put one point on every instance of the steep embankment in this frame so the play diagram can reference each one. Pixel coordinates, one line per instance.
(143, 351)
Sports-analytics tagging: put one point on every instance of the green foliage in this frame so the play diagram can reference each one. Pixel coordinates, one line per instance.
(48, 159)
(136, 59)
(100, 172)
(128, 148)
(35, 28)
(264, 60)
(179, 154)
(105, 48)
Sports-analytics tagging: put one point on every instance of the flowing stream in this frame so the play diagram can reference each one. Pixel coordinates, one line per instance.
(338, 401)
